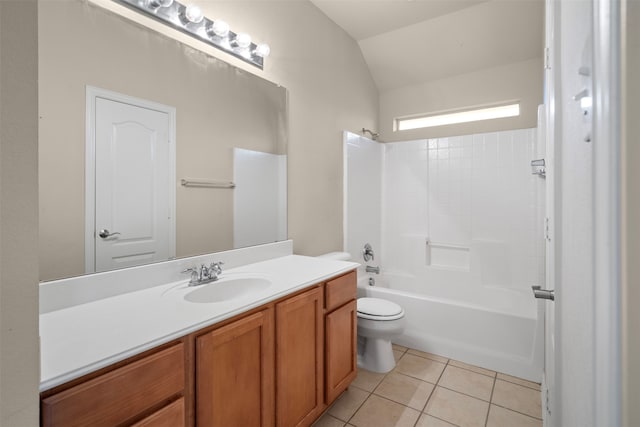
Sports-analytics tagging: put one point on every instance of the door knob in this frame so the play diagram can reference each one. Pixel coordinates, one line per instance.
(104, 233)
(538, 292)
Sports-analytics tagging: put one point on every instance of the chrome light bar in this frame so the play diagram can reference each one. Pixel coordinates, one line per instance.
(190, 20)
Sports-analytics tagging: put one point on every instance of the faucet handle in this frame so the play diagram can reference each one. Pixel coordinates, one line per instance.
(216, 267)
(194, 274)
(205, 272)
(367, 253)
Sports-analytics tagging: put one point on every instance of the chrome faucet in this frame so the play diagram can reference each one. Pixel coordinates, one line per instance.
(370, 269)
(367, 253)
(204, 274)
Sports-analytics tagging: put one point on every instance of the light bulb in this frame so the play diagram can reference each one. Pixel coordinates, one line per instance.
(193, 14)
(159, 3)
(243, 40)
(262, 50)
(220, 28)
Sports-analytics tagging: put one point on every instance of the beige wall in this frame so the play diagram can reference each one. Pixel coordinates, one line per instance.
(217, 108)
(521, 81)
(19, 351)
(631, 214)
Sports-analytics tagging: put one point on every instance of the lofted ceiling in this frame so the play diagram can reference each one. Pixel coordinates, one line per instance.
(410, 42)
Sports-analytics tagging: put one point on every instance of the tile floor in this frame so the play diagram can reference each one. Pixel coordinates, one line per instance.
(425, 390)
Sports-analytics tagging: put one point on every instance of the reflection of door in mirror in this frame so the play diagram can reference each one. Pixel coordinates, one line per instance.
(131, 201)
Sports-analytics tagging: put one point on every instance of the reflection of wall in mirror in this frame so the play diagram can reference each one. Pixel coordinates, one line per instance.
(218, 108)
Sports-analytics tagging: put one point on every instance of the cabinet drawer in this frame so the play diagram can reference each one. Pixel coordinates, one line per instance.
(119, 395)
(340, 290)
(171, 415)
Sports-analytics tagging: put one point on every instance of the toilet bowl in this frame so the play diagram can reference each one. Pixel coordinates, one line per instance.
(379, 321)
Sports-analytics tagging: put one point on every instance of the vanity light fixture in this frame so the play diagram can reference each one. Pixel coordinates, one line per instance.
(159, 3)
(219, 28)
(190, 20)
(262, 50)
(193, 14)
(449, 118)
(243, 40)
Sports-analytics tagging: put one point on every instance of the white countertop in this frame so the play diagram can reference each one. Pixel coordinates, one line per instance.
(83, 338)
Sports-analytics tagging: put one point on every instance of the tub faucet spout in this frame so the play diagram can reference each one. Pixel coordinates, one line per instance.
(370, 269)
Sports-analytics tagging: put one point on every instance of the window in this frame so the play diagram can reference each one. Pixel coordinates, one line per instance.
(477, 114)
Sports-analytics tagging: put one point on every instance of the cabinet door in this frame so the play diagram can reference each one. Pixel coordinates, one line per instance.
(299, 359)
(171, 415)
(341, 341)
(234, 373)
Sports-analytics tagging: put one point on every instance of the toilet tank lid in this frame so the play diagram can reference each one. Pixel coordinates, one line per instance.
(378, 307)
(339, 256)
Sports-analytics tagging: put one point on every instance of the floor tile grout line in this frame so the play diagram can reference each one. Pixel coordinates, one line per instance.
(408, 376)
(518, 412)
(521, 385)
(495, 373)
(493, 387)
(433, 390)
(357, 409)
(443, 420)
(465, 394)
(385, 398)
(429, 358)
(426, 358)
(395, 401)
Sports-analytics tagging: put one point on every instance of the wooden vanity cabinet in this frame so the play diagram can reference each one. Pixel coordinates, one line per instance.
(234, 373)
(279, 364)
(340, 335)
(299, 359)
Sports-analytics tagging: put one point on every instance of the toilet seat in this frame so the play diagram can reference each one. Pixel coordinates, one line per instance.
(379, 309)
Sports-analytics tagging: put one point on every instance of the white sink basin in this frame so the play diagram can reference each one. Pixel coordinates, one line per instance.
(227, 289)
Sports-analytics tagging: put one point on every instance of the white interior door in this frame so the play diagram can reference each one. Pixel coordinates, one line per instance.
(134, 184)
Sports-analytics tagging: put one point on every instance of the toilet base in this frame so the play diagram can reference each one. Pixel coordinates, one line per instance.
(375, 354)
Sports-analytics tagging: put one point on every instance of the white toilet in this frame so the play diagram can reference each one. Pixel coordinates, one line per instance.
(379, 321)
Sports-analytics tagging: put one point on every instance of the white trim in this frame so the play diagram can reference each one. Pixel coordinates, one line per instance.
(92, 93)
(345, 191)
(606, 129)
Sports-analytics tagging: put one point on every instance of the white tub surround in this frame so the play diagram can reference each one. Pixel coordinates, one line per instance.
(80, 338)
(459, 223)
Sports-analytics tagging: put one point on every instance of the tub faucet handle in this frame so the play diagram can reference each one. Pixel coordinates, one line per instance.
(367, 253)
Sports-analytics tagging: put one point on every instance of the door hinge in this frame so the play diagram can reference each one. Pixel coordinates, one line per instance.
(547, 59)
(547, 233)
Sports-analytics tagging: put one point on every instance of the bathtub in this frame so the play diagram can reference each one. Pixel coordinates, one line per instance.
(495, 328)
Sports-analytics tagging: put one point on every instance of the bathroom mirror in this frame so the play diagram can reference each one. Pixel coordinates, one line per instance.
(223, 115)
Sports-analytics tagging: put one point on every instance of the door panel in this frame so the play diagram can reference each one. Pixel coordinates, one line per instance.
(341, 341)
(132, 185)
(299, 359)
(234, 373)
